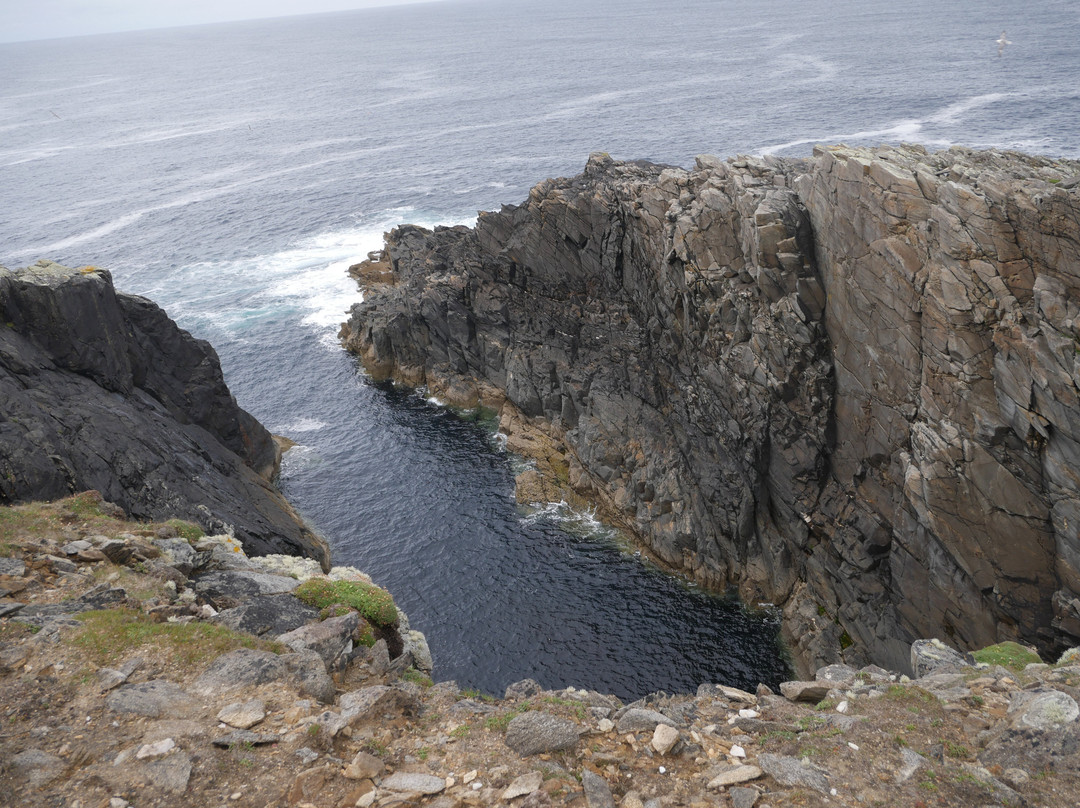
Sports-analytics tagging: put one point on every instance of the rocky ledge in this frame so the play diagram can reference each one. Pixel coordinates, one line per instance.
(846, 384)
(101, 390)
(148, 665)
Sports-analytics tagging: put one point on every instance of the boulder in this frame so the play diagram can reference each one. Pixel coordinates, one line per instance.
(534, 733)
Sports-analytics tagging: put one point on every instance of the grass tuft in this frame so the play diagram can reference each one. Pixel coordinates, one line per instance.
(374, 603)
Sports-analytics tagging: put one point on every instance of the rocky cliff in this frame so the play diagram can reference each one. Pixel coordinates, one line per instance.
(846, 384)
(101, 390)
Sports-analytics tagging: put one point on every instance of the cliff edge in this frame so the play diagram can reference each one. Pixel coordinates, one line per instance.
(101, 390)
(846, 384)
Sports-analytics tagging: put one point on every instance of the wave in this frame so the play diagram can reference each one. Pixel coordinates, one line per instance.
(907, 129)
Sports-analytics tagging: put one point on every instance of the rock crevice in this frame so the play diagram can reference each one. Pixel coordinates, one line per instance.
(845, 384)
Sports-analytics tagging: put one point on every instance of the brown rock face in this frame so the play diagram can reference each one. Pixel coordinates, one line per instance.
(846, 384)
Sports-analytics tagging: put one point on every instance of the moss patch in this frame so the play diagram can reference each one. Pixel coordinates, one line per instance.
(374, 603)
(1010, 655)
(110, 635)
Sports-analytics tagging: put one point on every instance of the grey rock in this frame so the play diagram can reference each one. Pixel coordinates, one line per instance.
(104, 392)
(933, 656)
(243, 715)
(792, 772)
(533, 733)
(330, 639)
(732, 694)
(153, 699)
(766, 326)
(743, 797)
(523, 689)
(268, 615)
(637, 719)
(171, 773)
(243, 584)
(597, 791)
(179, 553)
(664, 738)
(15, 567)
(1043, 709)
(812, 692)
(380, 658)
(911, 762)
(413, 783)
(840, 676)
(364, 767)
(244, 737)
(730, 775)
(101, 596)
(39, 767)
(244, 667)
(308, 670)
(524, 785)
(10, 607)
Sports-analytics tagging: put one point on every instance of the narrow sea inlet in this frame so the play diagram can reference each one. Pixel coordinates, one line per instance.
(235, 187)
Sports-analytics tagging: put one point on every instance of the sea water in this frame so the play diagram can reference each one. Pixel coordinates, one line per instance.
(233, 172)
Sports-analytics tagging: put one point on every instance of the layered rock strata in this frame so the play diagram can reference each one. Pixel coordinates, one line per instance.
(101, 390)
(846, 384)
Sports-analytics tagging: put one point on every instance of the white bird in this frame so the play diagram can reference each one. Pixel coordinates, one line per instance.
(1002, 42)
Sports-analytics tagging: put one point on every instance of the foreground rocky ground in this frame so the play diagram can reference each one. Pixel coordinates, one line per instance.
(149, 665)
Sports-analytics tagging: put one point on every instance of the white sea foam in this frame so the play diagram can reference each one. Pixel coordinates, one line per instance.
(301, 425)
(907, 129)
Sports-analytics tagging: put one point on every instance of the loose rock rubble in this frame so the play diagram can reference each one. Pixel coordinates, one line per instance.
(242, 726)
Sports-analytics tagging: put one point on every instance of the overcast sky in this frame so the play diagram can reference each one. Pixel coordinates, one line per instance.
(48, 19)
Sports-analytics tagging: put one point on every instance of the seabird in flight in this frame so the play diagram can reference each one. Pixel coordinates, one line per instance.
(1002, 42)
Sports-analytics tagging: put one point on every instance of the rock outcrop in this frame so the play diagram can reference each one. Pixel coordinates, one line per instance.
(846, 384)
(101, 390)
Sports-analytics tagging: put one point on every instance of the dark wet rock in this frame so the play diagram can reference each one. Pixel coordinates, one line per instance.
(102, 391)
(534, 733)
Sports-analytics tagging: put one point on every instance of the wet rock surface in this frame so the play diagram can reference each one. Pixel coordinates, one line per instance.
(846, 384)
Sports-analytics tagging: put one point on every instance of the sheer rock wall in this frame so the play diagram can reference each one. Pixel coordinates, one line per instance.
(846, 384)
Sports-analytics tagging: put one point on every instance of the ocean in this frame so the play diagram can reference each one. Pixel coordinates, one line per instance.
(233, 172)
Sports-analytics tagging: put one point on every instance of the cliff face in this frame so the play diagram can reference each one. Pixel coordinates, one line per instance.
(845, 384)
(102, 391)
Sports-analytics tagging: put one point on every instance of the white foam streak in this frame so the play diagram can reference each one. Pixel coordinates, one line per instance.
(909, 129)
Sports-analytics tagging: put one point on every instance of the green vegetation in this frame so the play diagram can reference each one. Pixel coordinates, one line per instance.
(955, 750)
(109, 636)
(476, 695)
(500, 722)
(825, 705)
(1009, 655)
(186, 530)
(374, 603)
(417, 678)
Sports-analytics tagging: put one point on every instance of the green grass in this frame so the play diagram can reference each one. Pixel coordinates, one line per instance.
(111, 635)
(417, 678)
(500, 722)
(1009, 655)
(374, 603)
(186, 530)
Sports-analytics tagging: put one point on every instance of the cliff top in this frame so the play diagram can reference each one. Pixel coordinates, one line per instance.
(130, 677)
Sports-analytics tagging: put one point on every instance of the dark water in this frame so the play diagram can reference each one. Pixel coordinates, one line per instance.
(232, 172)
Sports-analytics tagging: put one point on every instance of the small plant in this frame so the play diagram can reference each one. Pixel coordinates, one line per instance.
(423, 753)
(899, 739)
(476, 695)
(186, 530)
(374, 603)
(499, 723)
(955, 750)
(376, 747)
(1011, 655)
(460, 731)
(825, 705)
(417, 678)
